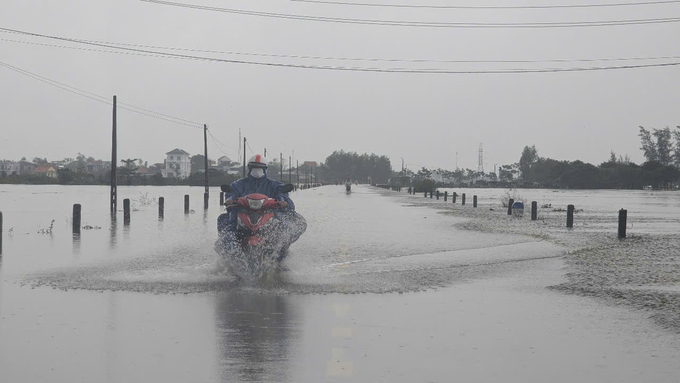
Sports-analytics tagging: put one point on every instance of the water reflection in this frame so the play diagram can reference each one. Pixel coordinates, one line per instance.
(254, 336)
(76, 245)
(112, 233)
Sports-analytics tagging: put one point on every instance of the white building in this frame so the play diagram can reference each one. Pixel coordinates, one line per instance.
(177, 164)
(223, 164)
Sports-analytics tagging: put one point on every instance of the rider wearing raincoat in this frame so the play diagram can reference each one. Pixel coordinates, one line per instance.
(257, 182)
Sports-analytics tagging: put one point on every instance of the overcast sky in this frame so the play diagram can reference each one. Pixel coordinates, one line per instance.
(424, 118)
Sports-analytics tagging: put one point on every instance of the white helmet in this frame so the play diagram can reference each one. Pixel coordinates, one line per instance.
(257, 161)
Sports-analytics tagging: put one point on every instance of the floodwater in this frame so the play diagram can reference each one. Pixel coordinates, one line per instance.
(649, 211)
(374, 291)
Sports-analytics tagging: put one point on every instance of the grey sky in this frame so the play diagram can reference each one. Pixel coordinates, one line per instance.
(424, 118)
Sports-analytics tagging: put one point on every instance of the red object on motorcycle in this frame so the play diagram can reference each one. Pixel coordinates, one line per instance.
(254, 241)
(256, 213)
(245, 219)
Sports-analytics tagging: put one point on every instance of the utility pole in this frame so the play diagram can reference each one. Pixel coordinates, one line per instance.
(265, 152)
(205, 153)
(297, 167)
(244, 154)
(281, 172)
(114, 161)
(290, 168)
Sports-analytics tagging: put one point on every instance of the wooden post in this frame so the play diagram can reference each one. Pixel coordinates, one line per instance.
(474, 201)
(221, 198)
(76, 218)
(430, 194)
(437, 194)
(161, 207)
(570, 216)
(206, 197)
(446, 195)
(0, 233)
(454, 197)
(425, 194)
(534, 210)
(126, 211)
(186, 204)
(510, 202)
(462, 199)
(114, 162)
(623, 217)
(244, 155)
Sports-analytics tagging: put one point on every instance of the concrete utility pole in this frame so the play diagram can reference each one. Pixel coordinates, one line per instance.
(297, 167)
(205, 153)
(281, 172)
(290, 168)
(244, 157)
(114, 161)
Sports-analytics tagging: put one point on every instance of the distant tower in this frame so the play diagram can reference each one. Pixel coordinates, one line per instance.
(480, 164)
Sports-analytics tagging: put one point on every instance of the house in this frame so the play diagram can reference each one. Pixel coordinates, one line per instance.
(47, 171)
(310, 164)
(6, 168)
(23, 167)
(177, 164)
(97, 167)
(224, 164)
(144, 171)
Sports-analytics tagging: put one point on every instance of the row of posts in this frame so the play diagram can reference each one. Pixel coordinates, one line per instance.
(623, 213)
(77, 211)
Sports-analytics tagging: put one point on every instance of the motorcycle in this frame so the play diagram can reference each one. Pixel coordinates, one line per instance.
(262, 234)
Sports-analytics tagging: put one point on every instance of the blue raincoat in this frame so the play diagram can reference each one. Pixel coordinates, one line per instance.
(248, 185)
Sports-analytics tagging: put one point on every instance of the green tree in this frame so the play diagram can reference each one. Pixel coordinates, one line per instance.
(648, 146)
(526, 161)
(128, 171)
(197, 163)
(664, 145)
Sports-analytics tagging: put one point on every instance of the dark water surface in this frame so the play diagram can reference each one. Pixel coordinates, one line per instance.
(150, 302)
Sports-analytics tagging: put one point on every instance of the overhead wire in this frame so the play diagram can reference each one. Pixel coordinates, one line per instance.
(489, 7)
(352, 69)
(334, 58)
(218, 145)
(100, 98)
(426, 24)
(249, 148)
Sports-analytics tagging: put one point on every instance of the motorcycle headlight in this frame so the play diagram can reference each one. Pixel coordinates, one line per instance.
(255, 204)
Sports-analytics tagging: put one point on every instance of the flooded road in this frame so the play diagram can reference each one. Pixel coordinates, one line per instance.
(375, 291)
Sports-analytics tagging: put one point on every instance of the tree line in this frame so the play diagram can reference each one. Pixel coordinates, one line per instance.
(361, 167)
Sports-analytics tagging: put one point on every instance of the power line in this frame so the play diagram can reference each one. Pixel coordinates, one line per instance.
(98, 98)
(426, 24)
(356, 69)
(488, 6)
(368, 59)
(216, 144)
(251, 150)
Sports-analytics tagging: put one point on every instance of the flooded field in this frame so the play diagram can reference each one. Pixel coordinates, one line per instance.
(377, 289)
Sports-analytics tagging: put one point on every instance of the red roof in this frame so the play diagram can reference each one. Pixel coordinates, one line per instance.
(44, 169)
